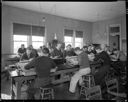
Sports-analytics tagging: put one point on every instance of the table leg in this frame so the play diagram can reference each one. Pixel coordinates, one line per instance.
(18, 90)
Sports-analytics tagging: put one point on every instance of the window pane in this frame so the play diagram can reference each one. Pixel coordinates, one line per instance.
(79, 40)
(67, 39)
(17, 45)
(19, 38)
(36, 45)
(37, 38)
(78, 45)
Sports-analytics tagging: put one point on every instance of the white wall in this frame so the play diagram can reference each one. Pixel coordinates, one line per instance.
(12, 14)
(102, 27)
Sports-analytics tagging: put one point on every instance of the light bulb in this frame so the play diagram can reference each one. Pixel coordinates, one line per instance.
(43, 19)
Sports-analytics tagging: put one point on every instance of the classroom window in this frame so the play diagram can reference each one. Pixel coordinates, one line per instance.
(79, 42)
(18, 40)
(27, 34)
(79, 39)
(37, 41)
(68, 36)
(68, 40)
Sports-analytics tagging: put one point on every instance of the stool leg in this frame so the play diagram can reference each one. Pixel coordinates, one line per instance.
(89, 81)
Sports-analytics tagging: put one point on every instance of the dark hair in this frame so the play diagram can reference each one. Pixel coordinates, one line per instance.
(98, 47)
(28, 48)
(77, 49)
(115, 49)
(45, 50)
(85, 47)
(69, 45)
(22, 44)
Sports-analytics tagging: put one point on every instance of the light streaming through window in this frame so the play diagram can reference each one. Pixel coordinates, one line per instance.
(18, 40)
(37, 41)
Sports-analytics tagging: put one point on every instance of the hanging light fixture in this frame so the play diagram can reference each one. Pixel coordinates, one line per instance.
(55, 35)
(43, 18)
(98, 22)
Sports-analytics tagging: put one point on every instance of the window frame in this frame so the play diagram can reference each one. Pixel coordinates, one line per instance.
(29, 36)
(43, 42)
(19, 41)
(74, 37)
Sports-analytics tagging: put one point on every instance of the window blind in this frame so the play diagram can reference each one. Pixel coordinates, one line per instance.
(68, 32)
(38, 30)
(114, 29)
(21, 29)
(79, 34)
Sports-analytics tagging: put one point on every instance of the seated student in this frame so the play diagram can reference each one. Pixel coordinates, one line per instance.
(93, 49)
(56, 53)
(27, 55)
(84, 69)
(104, 57)
(21, 50)
(69, 51)
(34, 51)
(118, 61)
(107, 49)
(89, 49)
(85, 49)
(42, 65)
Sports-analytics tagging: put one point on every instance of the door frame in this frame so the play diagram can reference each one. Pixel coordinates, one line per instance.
(120, 41)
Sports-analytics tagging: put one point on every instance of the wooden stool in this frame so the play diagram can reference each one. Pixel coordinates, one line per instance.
(88, 81)
(47, 93)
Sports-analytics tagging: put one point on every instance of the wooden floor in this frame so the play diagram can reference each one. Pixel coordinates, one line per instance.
(61, 90)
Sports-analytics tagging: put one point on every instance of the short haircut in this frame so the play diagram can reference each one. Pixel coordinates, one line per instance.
(22, 44)
(45, 50)
(69, 45)
(115, 49)
(77, 49)
(85, 47)
(28, 48)
(98, 47)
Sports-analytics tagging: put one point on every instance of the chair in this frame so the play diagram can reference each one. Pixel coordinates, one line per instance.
(47, 93)
(94, 93)
(88, 81)
(113, 90)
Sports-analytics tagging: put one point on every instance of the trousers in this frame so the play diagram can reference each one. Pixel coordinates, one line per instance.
(34, 91)
(78, 77)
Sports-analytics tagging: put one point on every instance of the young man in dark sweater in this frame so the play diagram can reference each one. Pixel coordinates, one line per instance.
(56, 53)
(43, 65)
(105, 59)
(21, 50)
(69, 51)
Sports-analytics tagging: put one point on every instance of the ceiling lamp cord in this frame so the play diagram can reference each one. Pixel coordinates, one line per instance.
(55, 35)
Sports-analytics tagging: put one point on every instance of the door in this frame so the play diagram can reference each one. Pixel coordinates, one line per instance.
(114, 41)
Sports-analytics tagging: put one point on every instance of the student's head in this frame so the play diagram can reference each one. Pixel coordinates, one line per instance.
(22, 46)
(77, 50)
(68, 47)
(92, 47)
(29, 50)
(85, 48)
(89, 48)
(31, 46)
(98, 49)
(115, 51)
(41, 47)
(107, 48)
(45, 52)
(58, 46)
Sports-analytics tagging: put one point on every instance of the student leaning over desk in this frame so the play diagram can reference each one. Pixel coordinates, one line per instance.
(43, 66)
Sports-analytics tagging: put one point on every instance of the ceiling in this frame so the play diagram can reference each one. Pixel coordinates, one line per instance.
(86, 11)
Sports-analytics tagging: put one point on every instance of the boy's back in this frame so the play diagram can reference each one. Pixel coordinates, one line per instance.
(43, 65)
